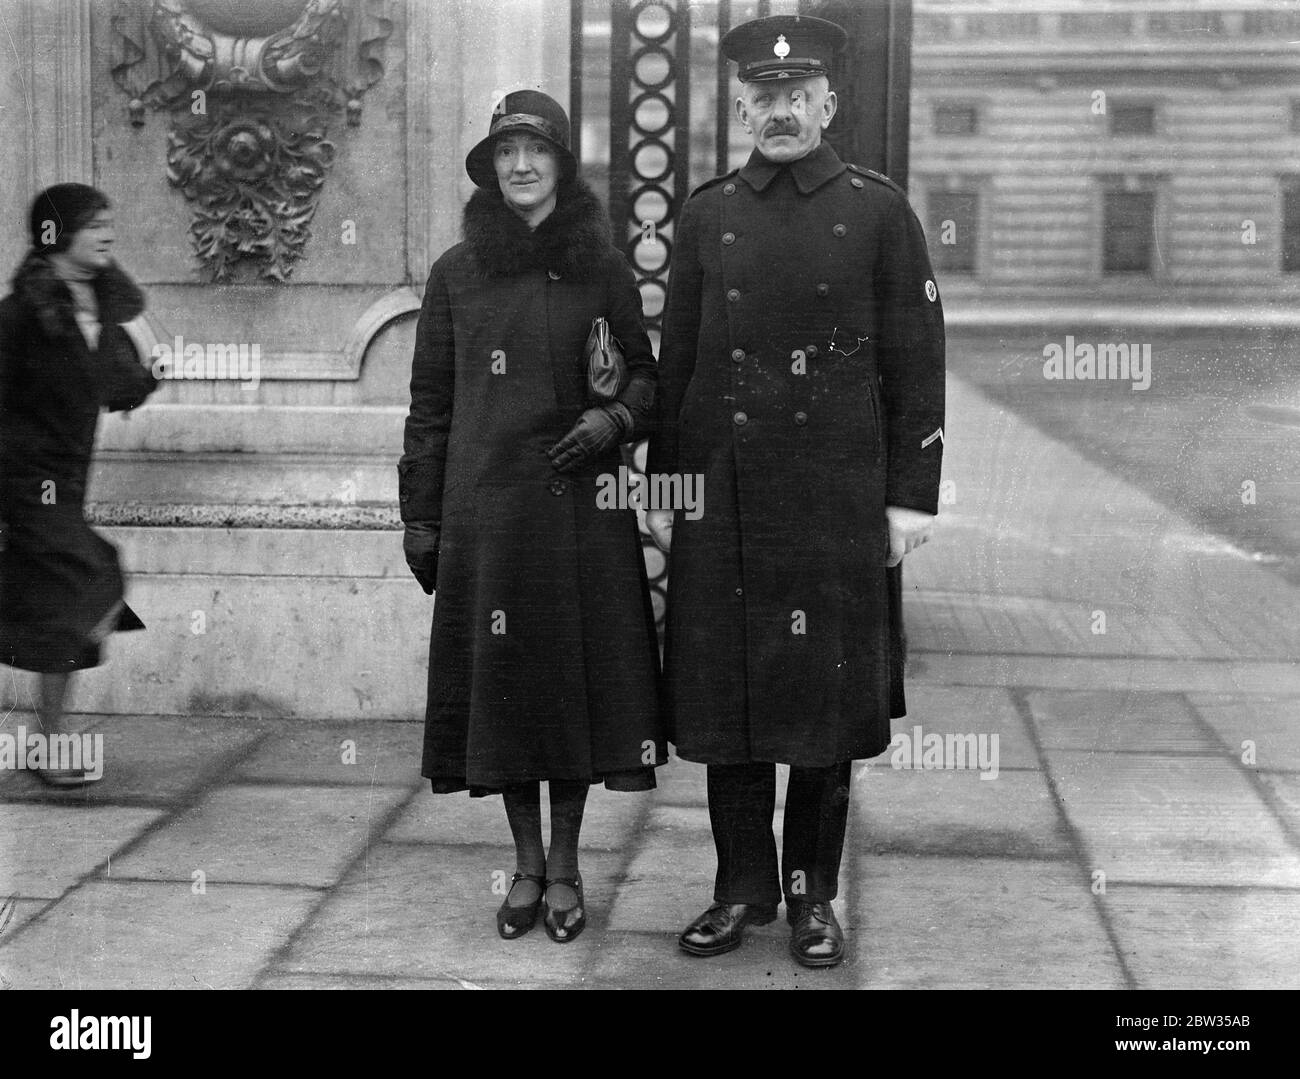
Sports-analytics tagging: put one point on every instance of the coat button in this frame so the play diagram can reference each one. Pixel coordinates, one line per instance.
(740, 419)
(801, 418)
(558, 487)
(839, 230)
(740, 591)
(823, 289)
(811, 352)
(856, 183)
(733, 294)
(729, 189)
(552, 275)
(404, 496)
(728, 237)
(738, 355)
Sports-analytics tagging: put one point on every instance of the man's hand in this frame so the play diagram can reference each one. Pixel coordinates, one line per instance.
(660, 524)
(596, 430)
(421, 546)
(908, 529)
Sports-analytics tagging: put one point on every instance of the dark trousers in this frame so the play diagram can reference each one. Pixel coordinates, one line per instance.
(742, 799)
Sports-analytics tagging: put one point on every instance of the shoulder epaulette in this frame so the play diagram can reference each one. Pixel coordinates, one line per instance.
(716, 180)
(879, 177)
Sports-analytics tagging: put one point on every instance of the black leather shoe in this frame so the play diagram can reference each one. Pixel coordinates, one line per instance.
(514, 922)
(722, 927)
(562, 926)
(817, 939)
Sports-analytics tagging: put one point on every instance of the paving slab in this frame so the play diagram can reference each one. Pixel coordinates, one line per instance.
(46, 849)
(1271, 723)
(974, 709)
(140, 935)
(631, 960)
(957, 813)
(1172, 820)
(363, 752)
(990, 923)
(1285, 790)
(671, 878)
(264, 835)
(418, 911)
(1207, 938)
(346, 980)
(1131, 721)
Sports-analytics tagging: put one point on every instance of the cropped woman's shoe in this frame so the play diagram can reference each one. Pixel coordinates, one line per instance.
(514, 922)
(563, 925)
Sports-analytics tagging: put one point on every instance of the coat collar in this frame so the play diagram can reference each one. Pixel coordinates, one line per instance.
(39, 289)
(574, 241)
(809, 172)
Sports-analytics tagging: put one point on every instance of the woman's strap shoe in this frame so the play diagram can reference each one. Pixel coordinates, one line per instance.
(514, 922)
(562, 926)
(722, 927)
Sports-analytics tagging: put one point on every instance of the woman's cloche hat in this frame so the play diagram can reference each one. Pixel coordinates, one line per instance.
(522, 110)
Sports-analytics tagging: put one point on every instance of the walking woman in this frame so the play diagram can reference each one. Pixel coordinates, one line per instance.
(543, 662)
(63, 357)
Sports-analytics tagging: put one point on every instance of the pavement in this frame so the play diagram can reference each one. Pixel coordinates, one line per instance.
(1143, 829)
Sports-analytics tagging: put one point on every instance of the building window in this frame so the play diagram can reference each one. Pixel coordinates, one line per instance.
(1295, 118)
(956, 120)
(1130, 222)
(1133, 120)
(952, 228)
(1291, 230)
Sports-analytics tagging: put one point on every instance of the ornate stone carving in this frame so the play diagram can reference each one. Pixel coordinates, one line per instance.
(252, 87)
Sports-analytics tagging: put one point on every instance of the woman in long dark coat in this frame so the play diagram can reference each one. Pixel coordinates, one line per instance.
(543, 661)
(63, 357)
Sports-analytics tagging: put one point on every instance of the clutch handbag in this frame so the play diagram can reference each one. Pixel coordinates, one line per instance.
(606, 364)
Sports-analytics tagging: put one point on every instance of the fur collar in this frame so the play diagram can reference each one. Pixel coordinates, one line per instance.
(574, 240)
(42, 292)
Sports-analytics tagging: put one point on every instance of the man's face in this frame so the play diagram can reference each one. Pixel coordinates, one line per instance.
(786, 116)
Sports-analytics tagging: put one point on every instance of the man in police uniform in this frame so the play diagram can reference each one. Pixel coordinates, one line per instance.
(802, 374)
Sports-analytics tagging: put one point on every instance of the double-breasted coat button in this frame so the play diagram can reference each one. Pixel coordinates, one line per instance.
(801, 418)
(738, 355)
(404, 497)
(823, 289)
(740, 419)
(558, 487)
(856, 183)
(729, 189)
(552, 275)
(728, 238)
(839, 230)
(733, 294)
(811, 352)
(740, 591)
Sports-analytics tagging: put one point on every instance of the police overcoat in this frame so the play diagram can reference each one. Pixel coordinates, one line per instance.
(802, 375)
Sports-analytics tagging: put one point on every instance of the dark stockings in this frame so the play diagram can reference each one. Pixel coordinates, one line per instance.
(524, 812)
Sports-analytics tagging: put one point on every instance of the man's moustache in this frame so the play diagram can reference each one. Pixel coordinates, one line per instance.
(780, 130)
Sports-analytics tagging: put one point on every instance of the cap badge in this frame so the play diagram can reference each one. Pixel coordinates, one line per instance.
(782, 47)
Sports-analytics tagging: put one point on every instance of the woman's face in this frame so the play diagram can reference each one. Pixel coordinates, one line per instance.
(90, 244)
(528, 171)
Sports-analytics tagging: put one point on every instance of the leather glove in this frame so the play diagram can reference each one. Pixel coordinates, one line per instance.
(597, 430)
(421, 547)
